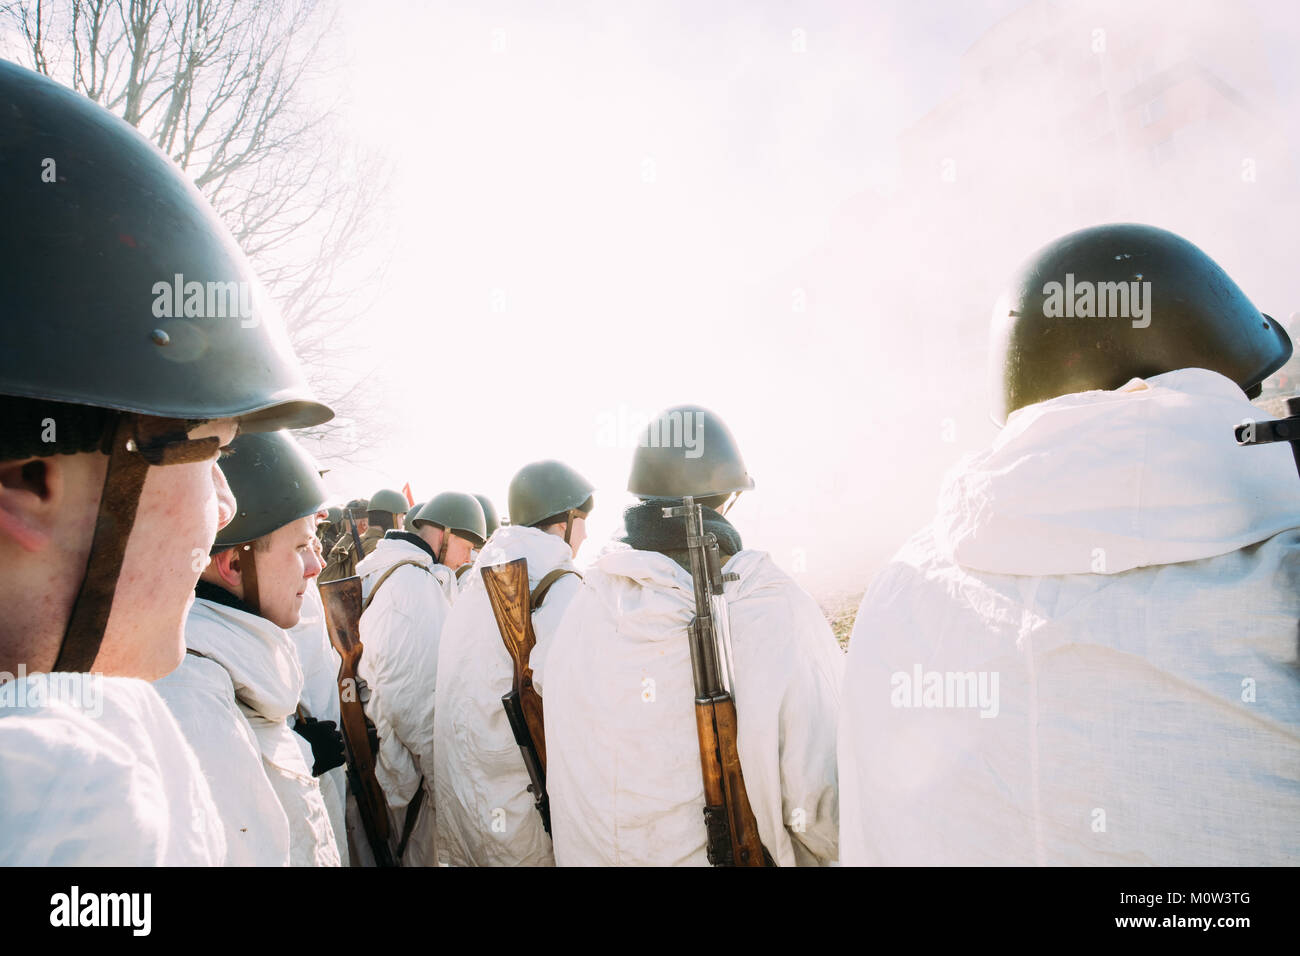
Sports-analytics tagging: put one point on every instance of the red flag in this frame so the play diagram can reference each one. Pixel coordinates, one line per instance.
(406, 490)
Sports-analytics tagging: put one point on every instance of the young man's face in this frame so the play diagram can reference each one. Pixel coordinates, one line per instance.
(181, 509)
(458, 551)
(577, 535)
(284, 569)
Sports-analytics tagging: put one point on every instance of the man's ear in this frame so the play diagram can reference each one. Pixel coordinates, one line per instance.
(225, 564)
(29, 493)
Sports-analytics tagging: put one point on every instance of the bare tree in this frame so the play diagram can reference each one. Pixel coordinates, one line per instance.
(221, 87)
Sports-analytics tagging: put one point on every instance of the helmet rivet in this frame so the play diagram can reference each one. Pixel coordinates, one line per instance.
(159, 337)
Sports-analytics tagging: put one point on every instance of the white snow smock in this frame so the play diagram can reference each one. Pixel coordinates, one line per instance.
(1089, 657)
(623, 752)
(486, 816)
(233, 697)
(399, 633)
(95, 772)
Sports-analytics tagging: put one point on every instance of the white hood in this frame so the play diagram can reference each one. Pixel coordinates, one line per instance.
(543, 551)
(259, 657)
(652, 597)
(1107, 674)
(1034, 504)
(261, 663)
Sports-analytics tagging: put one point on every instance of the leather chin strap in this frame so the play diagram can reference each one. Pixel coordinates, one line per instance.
(248, 577)
(570, 516)
(137, 442)
(446, 543)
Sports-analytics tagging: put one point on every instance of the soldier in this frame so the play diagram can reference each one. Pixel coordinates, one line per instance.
(355, 514)
(384, 513)
(113, 417)
(408, 587)
(1113, 584)
(328, 530)
(486, 815)
(624, 772)
(239, 687)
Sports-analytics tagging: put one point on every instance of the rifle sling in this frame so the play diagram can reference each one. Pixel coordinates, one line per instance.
(412, 814)
(384, 577)
(538, 594)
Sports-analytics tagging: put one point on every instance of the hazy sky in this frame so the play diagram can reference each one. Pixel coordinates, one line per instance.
(599, 210)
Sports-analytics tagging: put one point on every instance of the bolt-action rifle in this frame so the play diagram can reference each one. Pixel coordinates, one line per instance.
(732, 830)
(342, 600)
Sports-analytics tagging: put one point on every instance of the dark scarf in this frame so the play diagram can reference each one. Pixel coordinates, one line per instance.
(649, 530)
(414, 539)
(219, 595)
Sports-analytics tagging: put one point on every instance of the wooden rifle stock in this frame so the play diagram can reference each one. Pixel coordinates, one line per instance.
(724, 785)
(507, 590)
(342, 600)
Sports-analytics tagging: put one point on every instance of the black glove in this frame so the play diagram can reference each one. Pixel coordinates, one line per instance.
(326, 743)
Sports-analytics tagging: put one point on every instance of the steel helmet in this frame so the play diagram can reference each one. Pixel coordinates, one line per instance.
(1152, 303)
(687, 450)
(457, 511)
(545, 489)
(274, 482)
(96, 261)
(334, 515)
(394, 502)
(489, 514)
